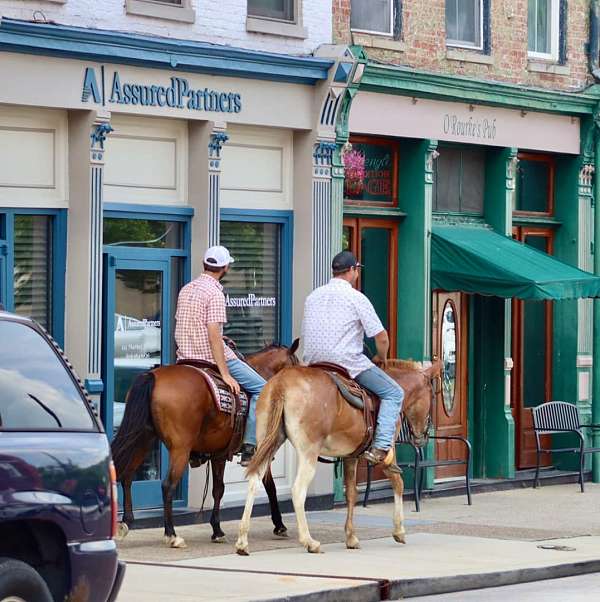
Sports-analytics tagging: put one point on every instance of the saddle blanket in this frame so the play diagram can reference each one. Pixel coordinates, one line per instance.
(222, 395)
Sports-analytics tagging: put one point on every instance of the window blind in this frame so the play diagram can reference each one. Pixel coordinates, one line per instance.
(253, 284)
(33, 267)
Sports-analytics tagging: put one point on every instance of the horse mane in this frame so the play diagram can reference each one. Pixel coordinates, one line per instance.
(268, 347)
(404, 364)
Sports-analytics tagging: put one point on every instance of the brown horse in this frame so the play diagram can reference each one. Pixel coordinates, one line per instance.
(303, 405)
(175, 405)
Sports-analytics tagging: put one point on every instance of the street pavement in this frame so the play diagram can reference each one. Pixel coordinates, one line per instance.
(505, 537)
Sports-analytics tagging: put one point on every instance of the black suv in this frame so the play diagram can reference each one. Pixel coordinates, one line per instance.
(58, 497)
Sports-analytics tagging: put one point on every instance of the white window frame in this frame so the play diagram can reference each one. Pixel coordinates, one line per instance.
(162, 10)
(378, 33)
(279, 27)
(553, 55)
(466, 45)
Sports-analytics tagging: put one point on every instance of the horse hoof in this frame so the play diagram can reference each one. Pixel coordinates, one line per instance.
(314, 548)
(280, 532)
(219, 538)
(401, 538)
(353, 544)
(122, 531)
(174, 541)
(242, 551)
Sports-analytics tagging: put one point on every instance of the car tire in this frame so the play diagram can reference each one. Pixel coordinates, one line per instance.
(21, 582)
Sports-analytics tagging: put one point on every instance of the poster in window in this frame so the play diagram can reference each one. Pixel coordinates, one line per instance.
(371, 172)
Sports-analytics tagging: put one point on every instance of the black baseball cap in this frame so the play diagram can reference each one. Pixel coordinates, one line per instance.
(344, 261)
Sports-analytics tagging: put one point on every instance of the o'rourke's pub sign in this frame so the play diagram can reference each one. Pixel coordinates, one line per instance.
(178, 94)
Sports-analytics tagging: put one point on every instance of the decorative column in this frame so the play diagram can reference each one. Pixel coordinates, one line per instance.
(87, 135)
(326, 211)
(100, 129)
(217, 139)
(585, 307)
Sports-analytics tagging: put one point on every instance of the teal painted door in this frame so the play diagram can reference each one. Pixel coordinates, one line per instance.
(137, 337)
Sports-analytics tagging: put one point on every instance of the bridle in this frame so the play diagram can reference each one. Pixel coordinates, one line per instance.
(424, 438)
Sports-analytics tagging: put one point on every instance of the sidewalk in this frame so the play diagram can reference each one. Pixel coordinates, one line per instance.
(450, 547)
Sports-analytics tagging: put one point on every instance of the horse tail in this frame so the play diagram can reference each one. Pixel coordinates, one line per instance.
(137, 426)
(274, 398)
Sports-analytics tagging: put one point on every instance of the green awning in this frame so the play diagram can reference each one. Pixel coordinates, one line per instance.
(478, 260)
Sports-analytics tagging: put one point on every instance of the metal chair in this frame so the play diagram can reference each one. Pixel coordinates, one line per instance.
(420, 463)
(555, 417)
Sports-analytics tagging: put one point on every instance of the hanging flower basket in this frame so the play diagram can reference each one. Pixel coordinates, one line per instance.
(354, 166)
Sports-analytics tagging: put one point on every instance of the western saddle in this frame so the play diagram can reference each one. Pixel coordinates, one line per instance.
(358, 397)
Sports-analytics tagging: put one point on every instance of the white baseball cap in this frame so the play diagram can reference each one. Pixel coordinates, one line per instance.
(218, 256)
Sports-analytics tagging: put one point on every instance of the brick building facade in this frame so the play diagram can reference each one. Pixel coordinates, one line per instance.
(466, 113)
(419, 41)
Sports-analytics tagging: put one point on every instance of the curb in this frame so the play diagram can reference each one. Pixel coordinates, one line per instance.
(375, 590)
(410, 588)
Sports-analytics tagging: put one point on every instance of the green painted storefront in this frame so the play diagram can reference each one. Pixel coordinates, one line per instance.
(575, 323)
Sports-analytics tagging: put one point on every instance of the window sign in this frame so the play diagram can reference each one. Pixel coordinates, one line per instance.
(371, 172)
(253, 285)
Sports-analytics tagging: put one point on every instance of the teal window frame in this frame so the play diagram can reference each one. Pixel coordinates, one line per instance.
(59, 263)
(138, 258)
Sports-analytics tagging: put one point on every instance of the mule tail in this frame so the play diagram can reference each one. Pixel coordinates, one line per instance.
(137, 426)
(273, 400)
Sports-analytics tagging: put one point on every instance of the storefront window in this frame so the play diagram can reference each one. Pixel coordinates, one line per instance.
(371, 172)
(253, 284)
(535, 184)
(459, 181)
(142, 233)
(32, 274)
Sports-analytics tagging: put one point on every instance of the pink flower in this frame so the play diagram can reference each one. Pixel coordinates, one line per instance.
(354, 164)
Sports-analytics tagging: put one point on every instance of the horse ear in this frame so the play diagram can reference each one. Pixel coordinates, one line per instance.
(294, 346)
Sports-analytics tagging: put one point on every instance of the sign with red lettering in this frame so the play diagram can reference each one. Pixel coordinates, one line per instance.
(371, 169)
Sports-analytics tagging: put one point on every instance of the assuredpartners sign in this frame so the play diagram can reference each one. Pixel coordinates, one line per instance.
(106, 88)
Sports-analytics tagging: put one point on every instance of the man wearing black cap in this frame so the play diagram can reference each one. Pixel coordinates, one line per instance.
(337, 317)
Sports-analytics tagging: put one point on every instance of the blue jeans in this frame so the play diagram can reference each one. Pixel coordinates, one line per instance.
(391, 393)
(252, 382)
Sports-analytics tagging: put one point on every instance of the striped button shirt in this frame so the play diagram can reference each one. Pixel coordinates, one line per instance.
(201, 302)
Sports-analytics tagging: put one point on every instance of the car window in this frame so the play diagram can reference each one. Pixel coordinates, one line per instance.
(36, 390)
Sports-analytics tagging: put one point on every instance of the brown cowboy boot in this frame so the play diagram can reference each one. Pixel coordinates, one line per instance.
(376, 456)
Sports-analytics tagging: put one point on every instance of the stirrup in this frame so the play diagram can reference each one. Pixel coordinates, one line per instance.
(247, 453)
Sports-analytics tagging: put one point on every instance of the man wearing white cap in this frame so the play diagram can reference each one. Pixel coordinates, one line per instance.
(199, 319)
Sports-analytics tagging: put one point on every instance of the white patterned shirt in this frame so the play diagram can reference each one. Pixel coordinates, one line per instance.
(337, 317)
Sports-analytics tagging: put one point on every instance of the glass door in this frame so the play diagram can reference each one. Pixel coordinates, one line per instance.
(137, 338)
